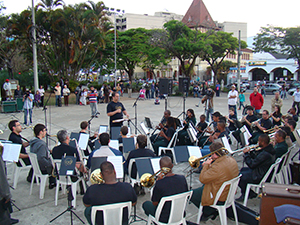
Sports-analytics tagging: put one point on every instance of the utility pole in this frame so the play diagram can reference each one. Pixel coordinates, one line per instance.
(239, 64)
(35, 67)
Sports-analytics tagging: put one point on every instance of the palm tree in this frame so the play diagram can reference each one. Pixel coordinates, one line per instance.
(49, 5)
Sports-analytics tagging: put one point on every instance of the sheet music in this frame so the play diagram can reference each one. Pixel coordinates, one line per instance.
(144, 128)
(129, 132)
(155, 164)
(103, 129)
(11, 152)
(114, 144)
(226, 144)
(117, 161)
(298, 131)
(195, 151)
(83, 140)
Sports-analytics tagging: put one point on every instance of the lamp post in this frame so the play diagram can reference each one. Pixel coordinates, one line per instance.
(115, 12)
(35, 67)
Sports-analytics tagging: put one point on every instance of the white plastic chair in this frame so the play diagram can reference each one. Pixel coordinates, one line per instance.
(17, 170)
(37, 174)
(229, 201)
(112, 213)
(287, 173)
(137, 179)
(178, 204)
(63, 181)
(270, 172)
(280, 172)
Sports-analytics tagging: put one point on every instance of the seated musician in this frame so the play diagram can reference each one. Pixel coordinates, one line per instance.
(104, 150)
(221, 132)
(15, 137)
(162, 125)
(58, 152)
(288, 132)
(201, 126)
(84, 130)
(231, 119)
(281, 146)
(109, 192)
(216, 170)
(276, 116)
(183, 136)
(249, 118)
(292, 124)
(39, 147)
(123, 133)
(166, 185)
(258, 164)
(293, 115)
(215, 118)
(264, 124)
(141, 151)
(165, 136)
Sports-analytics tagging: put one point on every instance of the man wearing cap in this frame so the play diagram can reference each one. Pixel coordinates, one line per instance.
(7, 89)
(216, 170)
(232, 98)
(296, 99)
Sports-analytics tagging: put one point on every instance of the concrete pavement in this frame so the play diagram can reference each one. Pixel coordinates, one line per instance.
(36, 211)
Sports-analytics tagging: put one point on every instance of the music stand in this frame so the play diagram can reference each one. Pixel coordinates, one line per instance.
(115, 133)
(128, 144)
(67, 168)
(148, 123)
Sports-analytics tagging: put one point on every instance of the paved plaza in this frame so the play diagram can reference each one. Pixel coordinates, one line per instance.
(37, 211)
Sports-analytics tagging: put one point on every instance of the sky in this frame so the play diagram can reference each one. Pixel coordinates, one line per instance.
(256, 13)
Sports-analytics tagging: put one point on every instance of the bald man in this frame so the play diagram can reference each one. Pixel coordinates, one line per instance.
(167, 184)
(256, 100)
(109, 192)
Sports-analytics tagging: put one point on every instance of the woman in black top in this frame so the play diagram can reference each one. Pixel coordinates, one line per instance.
(183, 134)
(276, 116)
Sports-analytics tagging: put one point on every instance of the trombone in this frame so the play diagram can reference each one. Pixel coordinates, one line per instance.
(148, 180)
(272, 130)
(195, 162)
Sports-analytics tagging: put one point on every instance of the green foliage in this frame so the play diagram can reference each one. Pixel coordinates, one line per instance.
(218, 45)
(279, 40)
(72, 85)
(181, 42)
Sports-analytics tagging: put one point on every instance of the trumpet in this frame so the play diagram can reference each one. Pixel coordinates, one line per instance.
(96, 177)
(252, 147)
(253, 124)
(195, 162)
(272, 129)
(148, 180)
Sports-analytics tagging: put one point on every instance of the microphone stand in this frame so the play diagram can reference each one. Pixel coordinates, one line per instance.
(135, 114)
(90, 121)
(45, 115)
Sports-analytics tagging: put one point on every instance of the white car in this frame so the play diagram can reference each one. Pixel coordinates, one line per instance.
(291, 91)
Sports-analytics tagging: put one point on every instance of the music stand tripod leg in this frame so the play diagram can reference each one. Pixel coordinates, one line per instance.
(134, 216)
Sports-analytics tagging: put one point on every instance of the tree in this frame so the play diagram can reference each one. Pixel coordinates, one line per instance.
(49, 5)
(218, 45)
(279, 40)
(183, 43)
(131, 48)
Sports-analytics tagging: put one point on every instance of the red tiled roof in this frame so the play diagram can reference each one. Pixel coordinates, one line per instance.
(198, 16)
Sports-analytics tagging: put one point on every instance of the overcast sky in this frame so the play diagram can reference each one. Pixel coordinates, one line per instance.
(256, 13)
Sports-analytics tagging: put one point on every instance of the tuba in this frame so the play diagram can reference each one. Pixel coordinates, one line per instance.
(96, 177)
(148, 180)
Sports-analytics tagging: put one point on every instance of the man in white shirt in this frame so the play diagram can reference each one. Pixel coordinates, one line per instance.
(7, 89)
(296, 99)
(232, 98)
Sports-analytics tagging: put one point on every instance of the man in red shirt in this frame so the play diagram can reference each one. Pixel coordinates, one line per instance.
(256, 100)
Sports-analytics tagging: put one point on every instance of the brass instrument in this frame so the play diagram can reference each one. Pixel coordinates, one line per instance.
(253, 124)
(96, 177)
(252, 147)
(272, 129)
(24, 128)
(195, 162)
(148, 180)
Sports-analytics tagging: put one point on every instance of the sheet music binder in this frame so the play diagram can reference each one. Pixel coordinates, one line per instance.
(117, 161)
(11, 152)
(103, 129)
(146, 165)
(74, 135)
(67, 166)
(115, 133)
(182, 153)
(128, 144)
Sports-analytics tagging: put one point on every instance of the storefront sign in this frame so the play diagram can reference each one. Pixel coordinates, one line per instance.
(257, 63)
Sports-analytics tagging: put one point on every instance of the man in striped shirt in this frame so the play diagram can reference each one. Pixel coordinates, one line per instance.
(92, 95)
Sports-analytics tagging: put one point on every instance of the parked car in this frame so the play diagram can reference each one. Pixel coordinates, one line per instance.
(271, 87)
(245, 85)
(291, 91)
(295, 84)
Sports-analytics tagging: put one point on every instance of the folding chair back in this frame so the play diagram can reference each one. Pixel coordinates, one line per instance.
(112, 213)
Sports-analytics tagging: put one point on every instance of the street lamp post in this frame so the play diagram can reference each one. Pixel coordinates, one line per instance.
(112, 11)
(35, 67)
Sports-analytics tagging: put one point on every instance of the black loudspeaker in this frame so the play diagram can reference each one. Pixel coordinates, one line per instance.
(184, 83)
(165, 86)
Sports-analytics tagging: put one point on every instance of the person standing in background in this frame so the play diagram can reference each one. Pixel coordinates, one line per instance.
(276, 101)
(28, 103)
(42, 93)
(296, 100)
(232, 98)
(7, 89)
(129, 89)
(256, 100)
(241, 100)
(66, 93)
(218, 86)
(92, 95)
(57, 91)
